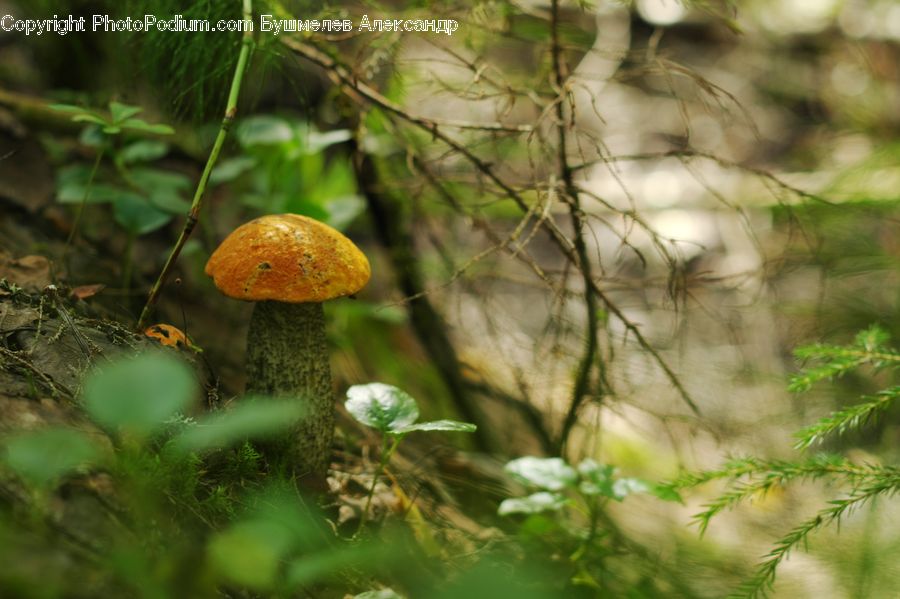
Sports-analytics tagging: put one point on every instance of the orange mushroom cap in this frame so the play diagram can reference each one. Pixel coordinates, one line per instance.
(287, 258)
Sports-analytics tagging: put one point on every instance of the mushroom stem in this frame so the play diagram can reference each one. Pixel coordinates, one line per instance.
(287, 356)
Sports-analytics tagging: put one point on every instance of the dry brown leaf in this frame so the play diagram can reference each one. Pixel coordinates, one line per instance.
(31, 273)
(85, 291)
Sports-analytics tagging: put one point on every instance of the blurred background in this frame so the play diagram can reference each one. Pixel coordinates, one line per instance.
(699, 187)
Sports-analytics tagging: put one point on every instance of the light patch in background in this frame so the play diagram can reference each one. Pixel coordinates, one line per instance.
(870, 20)
(797, 16)
(662, 187)
(850, 149)
(693, 230)
(661, 12)
(849, 79)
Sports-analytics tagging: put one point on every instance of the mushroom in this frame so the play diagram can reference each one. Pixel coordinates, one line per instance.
(289, 264)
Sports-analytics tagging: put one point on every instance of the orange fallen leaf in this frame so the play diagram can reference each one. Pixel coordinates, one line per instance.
(85, 291)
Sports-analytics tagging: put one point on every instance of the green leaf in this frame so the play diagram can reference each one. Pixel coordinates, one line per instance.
(343, 210)
(326, 563)
(93, 137)
(139, 394)
(149, 178)
(91, 118)
(69, 108)
(382, 407)
(120, 112)
(533, 504)
(146, 150)
(137, 215)
(596, 479)
(297, 205)
(231, 169)
(163, 187)
(316, 141)
(72, 182)
(141, 125)
(666, 493)
(552, 474)
(249, 553)
(42, 457)
(250, 419)
(437, 425)
(264, 130)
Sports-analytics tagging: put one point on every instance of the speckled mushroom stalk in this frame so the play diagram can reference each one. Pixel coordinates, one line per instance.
(289, 265)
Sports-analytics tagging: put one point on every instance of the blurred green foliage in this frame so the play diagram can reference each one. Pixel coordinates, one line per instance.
(284, 168)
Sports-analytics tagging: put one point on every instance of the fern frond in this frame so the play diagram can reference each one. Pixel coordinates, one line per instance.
(763, 476)
(886, 482)
(849, 418)
(869, 347)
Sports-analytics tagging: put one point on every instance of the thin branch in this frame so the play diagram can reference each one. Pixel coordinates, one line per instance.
(193, 216)
(582, 386)
(365, 94)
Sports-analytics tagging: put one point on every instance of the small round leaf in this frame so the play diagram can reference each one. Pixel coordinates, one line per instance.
(552, 474)
(451, 426)
(139, 394)
(382, 407)
(533, 504)
(43, 456)
(250, 419)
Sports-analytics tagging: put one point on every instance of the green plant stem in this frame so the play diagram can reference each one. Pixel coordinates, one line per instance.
(84, 199)
(127, 262)
(593, 515)
(387, 450)
(197, 203)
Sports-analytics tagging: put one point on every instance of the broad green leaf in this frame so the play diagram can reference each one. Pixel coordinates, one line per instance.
(99, 193)
(148, 179)
(146, 150)
(437, 425)
(139, 394)
(249, 419)
(336, 181)
(41, 457)
(231, 169)
(552, 474)
(90, 118)
(343, 210)
(137, 215)
(169, 202)
(112, 129)
(263, 130)
(249, 553)
(383, 407)
(93, 137)
(298, 205)
(141, 125)
(316, 141)
(70, 108)
(326, 562)
(164, 188)
(120, 112)
(533, 504)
